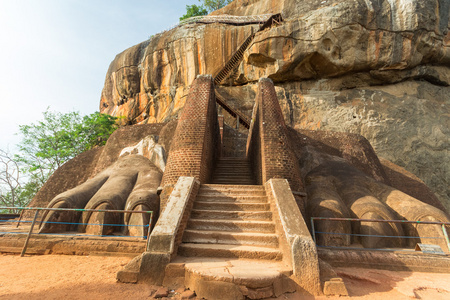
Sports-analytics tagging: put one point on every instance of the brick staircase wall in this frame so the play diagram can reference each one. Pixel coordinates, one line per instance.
(268, 145)
(196, 141)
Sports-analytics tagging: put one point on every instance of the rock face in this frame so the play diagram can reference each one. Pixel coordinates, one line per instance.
(379, 68)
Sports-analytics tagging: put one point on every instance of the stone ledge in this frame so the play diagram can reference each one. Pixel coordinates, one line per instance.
(395, 260)
(300, 248)
(72, 245)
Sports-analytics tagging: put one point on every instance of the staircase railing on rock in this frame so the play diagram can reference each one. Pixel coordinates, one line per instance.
(241, 118)
(236, 59)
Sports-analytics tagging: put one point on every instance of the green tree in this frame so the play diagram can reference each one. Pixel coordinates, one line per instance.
(206, 7)
(48, 144)
(212, 5)
(193, 11)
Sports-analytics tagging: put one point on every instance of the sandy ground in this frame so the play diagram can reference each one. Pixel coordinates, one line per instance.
(93, 277)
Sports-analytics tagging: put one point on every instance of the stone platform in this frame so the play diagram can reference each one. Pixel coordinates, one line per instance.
(395, 260)
(216, 278)
(12, 240)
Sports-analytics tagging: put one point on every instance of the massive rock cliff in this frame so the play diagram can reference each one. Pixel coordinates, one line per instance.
(379, 68)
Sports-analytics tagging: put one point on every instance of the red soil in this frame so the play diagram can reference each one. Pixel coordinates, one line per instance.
(93, 277)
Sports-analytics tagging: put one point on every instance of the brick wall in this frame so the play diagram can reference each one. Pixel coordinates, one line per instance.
(268, 146)
(196, 140)
(254, 144)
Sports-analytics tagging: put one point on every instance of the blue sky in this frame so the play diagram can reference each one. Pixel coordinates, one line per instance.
(55, 53)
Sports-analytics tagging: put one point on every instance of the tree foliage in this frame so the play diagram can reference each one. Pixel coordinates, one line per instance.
(48, 144)
(212, 5)
(193, 11)
(206, 7)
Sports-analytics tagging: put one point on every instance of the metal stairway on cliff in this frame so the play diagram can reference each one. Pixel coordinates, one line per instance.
(232, 63)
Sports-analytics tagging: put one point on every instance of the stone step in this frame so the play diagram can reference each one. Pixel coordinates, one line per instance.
(231, 206)
(231, 251)
(231, 225)
(234, 181)
(238, 179)
(230, 176)
(233, 167)
(234, 173)
(236, 169)
(234, 215)
(229, 198)
(218, 187)
(235, 194)
(232, 238)
(231, 190)
(231, 279)
(232, 161)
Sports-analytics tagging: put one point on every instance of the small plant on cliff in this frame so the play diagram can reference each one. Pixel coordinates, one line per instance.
(212, 5)
(193, 11)
(206, 7)
(48, 144)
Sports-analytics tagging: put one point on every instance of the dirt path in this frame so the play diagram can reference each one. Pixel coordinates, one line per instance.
(93, 277)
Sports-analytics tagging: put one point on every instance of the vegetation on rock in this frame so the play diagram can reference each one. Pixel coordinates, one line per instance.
(212, 5)
(201, 10)
(193, 11)
(45, 146)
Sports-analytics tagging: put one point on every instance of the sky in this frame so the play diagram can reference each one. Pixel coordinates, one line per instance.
(55, 53)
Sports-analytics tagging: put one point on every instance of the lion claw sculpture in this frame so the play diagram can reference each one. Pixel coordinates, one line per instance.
(128, 184)
(337, 188)
(340, 173)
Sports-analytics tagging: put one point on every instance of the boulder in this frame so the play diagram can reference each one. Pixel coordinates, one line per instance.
(380, 69)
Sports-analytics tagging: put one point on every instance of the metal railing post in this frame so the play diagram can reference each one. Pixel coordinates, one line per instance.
(149, 231)
(29, 234)
(444, 230)
(20, 218)
(313, 231)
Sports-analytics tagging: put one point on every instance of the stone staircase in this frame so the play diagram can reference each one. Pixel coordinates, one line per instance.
(236, 59)
(233, 170)
(230, 249)
(231, 221)
(233, 61)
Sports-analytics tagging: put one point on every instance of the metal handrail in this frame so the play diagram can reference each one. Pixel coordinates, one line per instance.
(227, 19)
(38, 209)
(379, 220)
(442, 224)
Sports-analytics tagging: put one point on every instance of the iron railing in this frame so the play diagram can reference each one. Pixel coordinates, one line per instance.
(442, 224)
(226, 19)
(18, 221)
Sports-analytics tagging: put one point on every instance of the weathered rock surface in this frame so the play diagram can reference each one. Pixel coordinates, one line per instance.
(379, 68)
(149, 82)
(90, 163)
